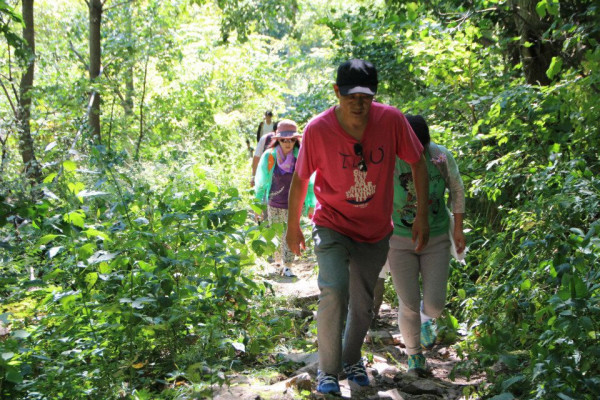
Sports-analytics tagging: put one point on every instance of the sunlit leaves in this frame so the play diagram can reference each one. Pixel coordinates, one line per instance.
(555, 67)
(90, 279)
(76, 218)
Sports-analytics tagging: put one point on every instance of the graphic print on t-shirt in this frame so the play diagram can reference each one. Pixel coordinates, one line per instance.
(361, 192)
(408, 213)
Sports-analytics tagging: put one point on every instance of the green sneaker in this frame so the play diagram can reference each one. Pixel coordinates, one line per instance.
(428, 335)
(417, 365)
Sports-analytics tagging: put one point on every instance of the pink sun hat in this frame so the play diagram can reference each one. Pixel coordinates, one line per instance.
(286, 128)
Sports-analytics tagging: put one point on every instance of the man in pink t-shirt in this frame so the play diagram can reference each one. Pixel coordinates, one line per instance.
(352, 147)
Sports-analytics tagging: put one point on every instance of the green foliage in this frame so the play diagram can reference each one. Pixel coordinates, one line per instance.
(273, 18)
(529, 159)
(10, 20)
(130, 276)
(122, 278)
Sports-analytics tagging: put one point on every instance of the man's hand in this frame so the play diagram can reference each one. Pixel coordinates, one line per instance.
(420, 232)
(294, 235)
(295, 240)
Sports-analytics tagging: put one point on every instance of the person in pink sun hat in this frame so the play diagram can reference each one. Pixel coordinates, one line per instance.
(273, 180)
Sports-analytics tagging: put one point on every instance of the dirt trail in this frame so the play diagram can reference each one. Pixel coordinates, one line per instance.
(387, 371)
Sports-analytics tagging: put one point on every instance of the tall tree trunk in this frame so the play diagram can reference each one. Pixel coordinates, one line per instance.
(26, 146)
(95, 7)
(536, 58)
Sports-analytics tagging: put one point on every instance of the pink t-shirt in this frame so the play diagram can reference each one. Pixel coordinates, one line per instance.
(355, 203)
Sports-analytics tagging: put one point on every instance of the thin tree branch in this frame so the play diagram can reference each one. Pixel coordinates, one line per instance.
(112, 113)
(81, 58)
(9, 62)
(139, 143)
(118, 4)
(115, 87)
(9, 99)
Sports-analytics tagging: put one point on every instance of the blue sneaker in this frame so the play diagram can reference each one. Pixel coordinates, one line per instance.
(357, 373)
(328, 384)
(428, 335)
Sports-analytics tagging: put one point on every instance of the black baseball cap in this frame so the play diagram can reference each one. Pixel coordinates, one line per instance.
(357, 76)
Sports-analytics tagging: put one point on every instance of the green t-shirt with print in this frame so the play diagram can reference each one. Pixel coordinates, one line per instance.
(405, 200)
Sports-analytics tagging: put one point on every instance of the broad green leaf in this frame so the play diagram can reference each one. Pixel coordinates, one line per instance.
(96, 233)
(412, 9)
(50, 177)
(454, 321)
(69, 165)
(47, 239)
(540, 8)
(7, 356)
(68, 301)
(76, 187)
(76, 218)
(580, 287)
(104, 268)
(90, 279)
(86, 250)
(199, 171)
(553, 7)
(13, 375)
(146, 266)
(555, 67)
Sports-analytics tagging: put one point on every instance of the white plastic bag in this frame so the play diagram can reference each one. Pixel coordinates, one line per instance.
(460, 257)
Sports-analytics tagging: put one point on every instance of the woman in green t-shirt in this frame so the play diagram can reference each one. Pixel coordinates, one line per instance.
(431, 264)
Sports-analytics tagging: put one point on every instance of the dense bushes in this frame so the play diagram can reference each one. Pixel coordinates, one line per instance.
(122, 278)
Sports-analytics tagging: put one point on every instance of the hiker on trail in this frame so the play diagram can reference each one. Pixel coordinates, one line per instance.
(273, 180)
(263, 144)
(352, 147)
(415, 316)
(266, 125)
(264, 136)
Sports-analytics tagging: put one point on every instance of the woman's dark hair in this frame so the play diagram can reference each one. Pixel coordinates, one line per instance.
(419, 126)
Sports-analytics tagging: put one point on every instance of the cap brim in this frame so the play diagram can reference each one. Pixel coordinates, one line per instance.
(346, 90)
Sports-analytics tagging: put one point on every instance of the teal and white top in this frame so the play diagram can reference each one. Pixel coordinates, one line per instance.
(443, 174)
